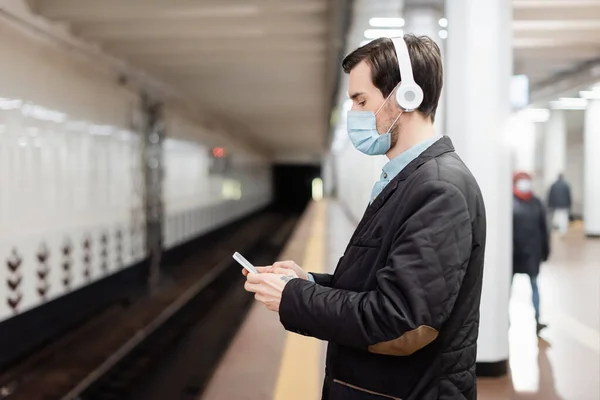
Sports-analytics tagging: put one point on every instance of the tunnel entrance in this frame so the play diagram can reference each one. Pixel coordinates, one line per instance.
(293, 186)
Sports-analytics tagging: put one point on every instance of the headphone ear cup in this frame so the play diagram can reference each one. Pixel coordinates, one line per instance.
(409, 97)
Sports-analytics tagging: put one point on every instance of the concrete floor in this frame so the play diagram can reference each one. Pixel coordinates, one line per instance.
(564, 363)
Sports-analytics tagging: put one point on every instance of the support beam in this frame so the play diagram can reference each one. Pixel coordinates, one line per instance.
(557, 53)
(136, 10)
(478, 108)
(251, 62)
(573, 36)
(153, 135)
(193, 29)
(558, 14)
(555, 26)
(230, 45)
(591, 187)
(555, 148)
(554, 42)
(566, 83)
(203, 50)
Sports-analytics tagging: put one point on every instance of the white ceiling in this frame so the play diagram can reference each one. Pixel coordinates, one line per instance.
(552, 37)
(263, 67)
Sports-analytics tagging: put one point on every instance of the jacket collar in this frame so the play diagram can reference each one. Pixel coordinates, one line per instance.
(441, 146)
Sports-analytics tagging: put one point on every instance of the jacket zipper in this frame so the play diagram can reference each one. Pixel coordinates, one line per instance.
(366, 390)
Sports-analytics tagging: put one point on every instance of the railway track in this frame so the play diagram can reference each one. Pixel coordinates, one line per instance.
(160, 346)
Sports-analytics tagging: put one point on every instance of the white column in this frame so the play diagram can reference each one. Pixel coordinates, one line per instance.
(555, 149)
(591, 169)
(424, 20)
(479, 67)
(538, 175)
(521, 133)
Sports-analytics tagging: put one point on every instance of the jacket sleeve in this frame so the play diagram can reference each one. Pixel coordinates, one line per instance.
(322, 279)
(415, 291)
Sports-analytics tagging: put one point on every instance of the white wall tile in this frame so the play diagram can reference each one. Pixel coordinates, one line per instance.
(70, 169)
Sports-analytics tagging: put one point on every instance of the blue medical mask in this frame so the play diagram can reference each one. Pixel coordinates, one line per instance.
(362, 130)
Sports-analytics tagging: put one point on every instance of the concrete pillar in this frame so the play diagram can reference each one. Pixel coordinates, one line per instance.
(479, 67)
(591, 169)
(153, 134)
(555, 149)
(424, 20)
(538, 175)
(521, 133)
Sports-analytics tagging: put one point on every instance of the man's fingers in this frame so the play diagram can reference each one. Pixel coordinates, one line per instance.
(252, 287)
(261, 270)
(255, 278)
(259, 297)
(284, 264)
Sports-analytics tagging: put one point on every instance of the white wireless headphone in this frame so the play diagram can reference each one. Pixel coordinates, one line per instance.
(409, 95)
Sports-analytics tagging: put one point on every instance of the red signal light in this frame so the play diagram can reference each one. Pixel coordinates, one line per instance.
(218, 152)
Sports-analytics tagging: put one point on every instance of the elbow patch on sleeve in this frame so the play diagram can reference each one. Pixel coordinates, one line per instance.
(406, 344)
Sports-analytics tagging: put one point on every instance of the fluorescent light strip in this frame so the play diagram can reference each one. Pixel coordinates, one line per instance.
(387, 22)
(569, 103)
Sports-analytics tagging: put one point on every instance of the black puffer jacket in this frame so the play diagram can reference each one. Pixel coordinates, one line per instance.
(401, 311)
(531, 242)
(559, 195)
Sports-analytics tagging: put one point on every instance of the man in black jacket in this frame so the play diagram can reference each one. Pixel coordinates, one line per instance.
(559, 203)
(401, 311)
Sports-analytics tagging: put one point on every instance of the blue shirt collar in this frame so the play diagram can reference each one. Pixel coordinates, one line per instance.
(398, 163)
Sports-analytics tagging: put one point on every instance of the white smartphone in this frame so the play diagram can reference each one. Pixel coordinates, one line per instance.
(244, 263)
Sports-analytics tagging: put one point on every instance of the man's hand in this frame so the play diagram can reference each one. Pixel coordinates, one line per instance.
(282, 267)
(267, 287)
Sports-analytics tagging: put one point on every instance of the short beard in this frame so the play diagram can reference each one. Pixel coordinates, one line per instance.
(394, 134)
(395, 130)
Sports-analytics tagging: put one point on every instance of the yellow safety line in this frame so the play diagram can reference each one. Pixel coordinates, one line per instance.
(299, 376)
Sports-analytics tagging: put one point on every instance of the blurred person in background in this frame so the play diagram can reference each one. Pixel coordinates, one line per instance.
(559, 203)
(531, 244)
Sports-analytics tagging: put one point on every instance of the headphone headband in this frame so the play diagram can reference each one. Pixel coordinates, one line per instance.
(409, 95)
(404, 63)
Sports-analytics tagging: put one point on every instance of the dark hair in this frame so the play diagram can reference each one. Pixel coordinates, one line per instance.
(426, 61)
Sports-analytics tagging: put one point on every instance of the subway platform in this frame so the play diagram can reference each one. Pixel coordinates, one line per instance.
(266, 362)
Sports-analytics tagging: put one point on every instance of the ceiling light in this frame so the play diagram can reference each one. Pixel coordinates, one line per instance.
(590, 94)
(569, 103)
(387, 22)
(377, 33)
(443, 34)
(208, 12)
(443, 22)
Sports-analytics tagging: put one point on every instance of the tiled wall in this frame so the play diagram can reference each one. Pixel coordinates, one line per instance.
(197, 201)
(70, 177)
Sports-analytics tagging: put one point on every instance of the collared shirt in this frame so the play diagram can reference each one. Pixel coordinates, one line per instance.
(394, 167)
(398, 163)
